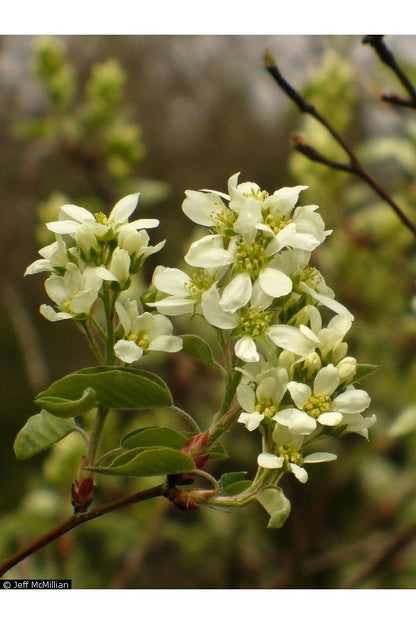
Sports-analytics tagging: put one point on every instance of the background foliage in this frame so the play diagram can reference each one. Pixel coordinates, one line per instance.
(88, 119)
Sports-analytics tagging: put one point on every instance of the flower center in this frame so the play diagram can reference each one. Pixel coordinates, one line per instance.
(254, 321)
(311, 276)
(259, 195)
(290, 454)
(275, 224)
(266, 407)
(250, 258)
(317, 405)
(141, 339)
(199, 283)
(101, 218)
(224, 222)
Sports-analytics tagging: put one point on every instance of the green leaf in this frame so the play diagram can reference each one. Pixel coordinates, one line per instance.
(198, 348)
(154, 436)
(363, 370)
(67, 408)
(228, 478)
(217, 451)
(117, 388)
(148, 462)
(276, 504)
(39, 433)
(238, 487)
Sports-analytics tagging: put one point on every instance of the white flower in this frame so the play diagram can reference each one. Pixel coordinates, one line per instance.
(318, 405)
(74, 293)
(251, 209)
(263, 402)
(54, 256)
(357, 423)
(143, 332)
(289, 455)
(136, 243)
(184, 292)
(73, 219)
(203, 208)
(119, 269)
(295, 262)
(252, 264)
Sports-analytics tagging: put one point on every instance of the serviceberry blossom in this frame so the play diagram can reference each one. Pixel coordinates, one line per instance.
(184, 292)
(92, 251)
(142, 333)
(321, 403)
(75, 219)
(74, 294)
(288, 455)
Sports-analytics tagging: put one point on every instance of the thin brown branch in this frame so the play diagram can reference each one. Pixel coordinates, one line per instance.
(313, 154)
(387, 57)
(77, 519)
(355, 167)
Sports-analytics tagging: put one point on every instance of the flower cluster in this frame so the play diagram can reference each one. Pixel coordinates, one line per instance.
(252, 277)
(93, 260)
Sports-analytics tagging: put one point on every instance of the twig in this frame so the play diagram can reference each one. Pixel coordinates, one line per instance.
(387, 57)
(77, 519)
(354, 166)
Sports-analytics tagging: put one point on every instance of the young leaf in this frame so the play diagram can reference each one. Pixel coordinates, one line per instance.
(154, 436)
(276, 504)
(118, 388)
(229, 478)
(148, 462)
(67, 408)
(363, 370)
(217, 451)
(238, 487)
(40, 432)
(198, 348)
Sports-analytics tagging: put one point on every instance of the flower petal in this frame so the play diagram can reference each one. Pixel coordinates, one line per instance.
(170, 344)
(214, 313)
(245, 349)
(171, 281)
(300, 473)
(123, 209)
(291, 339)
(268, 460)
(246, 397)
(330, 419)
(250, 420)
(201, 207)
(296, 421)
(237, 293)
(274, 282)
(317, 458)
(299, 392)
(351, 401)
(326, 380)
(328, 302)
(128, 351)
(208, 253)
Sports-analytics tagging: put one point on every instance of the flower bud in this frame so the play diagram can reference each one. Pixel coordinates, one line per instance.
(340, 351)
(313, 362)
(286, 360)
(82, 494)
(347, 368)
(195, 448)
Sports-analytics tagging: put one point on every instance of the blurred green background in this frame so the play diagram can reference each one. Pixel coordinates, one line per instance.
(88, 119)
